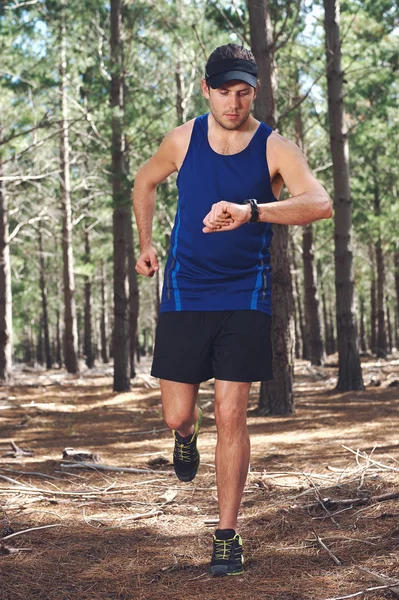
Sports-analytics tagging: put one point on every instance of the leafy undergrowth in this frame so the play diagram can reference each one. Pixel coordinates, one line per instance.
(320, 476)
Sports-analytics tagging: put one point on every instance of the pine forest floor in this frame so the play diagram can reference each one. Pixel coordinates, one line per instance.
(320, 476)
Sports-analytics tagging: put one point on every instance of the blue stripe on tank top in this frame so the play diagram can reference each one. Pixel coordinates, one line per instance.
(254, 299)
(177, 264)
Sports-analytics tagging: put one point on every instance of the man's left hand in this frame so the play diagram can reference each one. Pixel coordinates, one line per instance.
(225, 216)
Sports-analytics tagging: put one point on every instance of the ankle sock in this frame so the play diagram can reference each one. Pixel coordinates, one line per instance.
(183, 440)
(224, 534)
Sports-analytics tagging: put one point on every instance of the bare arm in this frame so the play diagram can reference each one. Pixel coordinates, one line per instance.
(155, 170)
(309, 201)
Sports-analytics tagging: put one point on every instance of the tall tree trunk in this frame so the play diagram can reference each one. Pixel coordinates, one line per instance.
(70, 333)
(389, 327)
(396, 263)
(43, 289)
(349, 367)
(88, 330)
(40, 343)
(262, 43)
(133, 295)
(5, 286)
(379, 257)
(104, 317)
(373, 312)
(311, 298)
(276, 397)
(312, 313)
(121, 207)
(363, 342)
(298, 318)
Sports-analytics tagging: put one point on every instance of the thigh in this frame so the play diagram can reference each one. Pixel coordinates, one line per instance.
(178, 399)
(183, 347)
(231, 401)
(242, 350)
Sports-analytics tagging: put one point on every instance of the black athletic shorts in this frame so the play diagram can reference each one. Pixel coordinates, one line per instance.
(232, 345)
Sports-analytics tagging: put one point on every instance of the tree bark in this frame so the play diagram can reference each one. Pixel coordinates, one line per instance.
(300, 337)
(363, 342)
(133, 296)
(396, 263)
(262, 43)
(5, 286)
(121, 206)
(373, 311)
(311, 299)
(43, 289)
(379, 258)
(276, 397)
(70, 333)
(104, 317)
(389, 327)
(349, 367)
(88, 329)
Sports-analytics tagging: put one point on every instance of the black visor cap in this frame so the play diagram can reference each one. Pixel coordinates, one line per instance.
(227, 70)
(218, 80)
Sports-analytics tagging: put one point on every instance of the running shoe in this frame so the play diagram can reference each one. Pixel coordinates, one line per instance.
(186, 458)
(227, 558)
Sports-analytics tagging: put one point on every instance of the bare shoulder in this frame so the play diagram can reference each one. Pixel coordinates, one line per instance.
(179, 140)
(282, 153)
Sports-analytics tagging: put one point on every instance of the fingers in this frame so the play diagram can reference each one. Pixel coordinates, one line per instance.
(218, 217)
(147, 263)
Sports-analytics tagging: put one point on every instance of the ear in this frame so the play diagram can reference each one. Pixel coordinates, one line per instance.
(256, 90)
(205, 89)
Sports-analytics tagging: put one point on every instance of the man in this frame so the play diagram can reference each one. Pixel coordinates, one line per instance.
(216, 302)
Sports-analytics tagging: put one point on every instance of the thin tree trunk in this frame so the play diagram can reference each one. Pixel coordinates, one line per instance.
(70, 333)
(379, 257)
(104, 317)
(373, 315)
(40, 343)
(389, 327)
(43, 289)
(311, 298)
(133, 296)
(276, 397)
(298, 319)
(363, 342)
(121, 344)
(5, 286)
(349, 367)
(396, 263)
(88, 330)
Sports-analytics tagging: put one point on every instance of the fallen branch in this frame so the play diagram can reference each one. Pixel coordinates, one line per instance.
(324, 547)
(393, 584)
(101, 467)
(373, 589)
(370, 460)
(8, 537)
(330, 503)
(17, 451)
(33, 473)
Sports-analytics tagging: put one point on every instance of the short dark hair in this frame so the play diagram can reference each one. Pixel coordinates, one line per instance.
(231, 51)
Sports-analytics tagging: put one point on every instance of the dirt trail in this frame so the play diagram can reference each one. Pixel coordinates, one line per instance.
(106, 553)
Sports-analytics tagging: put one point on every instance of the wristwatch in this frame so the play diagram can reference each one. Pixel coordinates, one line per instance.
(254, 209)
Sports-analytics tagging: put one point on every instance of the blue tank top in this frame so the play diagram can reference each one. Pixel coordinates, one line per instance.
(228, 270)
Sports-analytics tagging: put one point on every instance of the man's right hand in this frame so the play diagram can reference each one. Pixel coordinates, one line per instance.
(147, 262)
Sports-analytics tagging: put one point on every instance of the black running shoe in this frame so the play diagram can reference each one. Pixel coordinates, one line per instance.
(227, 558)
(186, 458)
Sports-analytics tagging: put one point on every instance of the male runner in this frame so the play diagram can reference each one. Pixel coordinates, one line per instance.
(216, 302)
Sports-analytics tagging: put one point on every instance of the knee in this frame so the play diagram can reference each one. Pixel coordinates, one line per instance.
(230, 419)
(177, 420)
